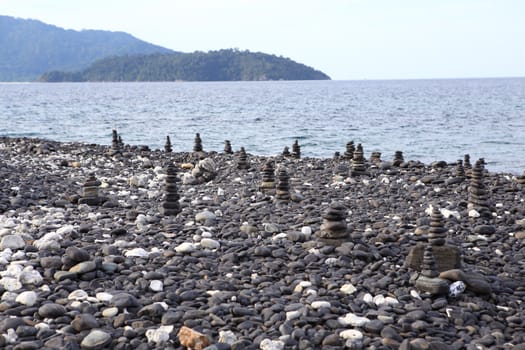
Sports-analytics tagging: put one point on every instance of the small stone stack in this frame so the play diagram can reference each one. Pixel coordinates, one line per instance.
(228, 147)
(467, 165)
(349, 152)
(197, 146)
(116, 143)
(460, 170)
(296, 150)
(398, 158)
(375, 157)
(334, 229)
(428, 281)
(171, 206)
(478, 194)
(282, 190)
(268, 176)
(243, 160)
(286, 151)
(167, 145)
(337, 155)
(358, 162)
(521, 179)
(446, 257)
(90, 192)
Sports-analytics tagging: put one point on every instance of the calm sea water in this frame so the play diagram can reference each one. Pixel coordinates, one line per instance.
(426, 119)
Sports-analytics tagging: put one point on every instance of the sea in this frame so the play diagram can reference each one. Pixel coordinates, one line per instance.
(427, 120)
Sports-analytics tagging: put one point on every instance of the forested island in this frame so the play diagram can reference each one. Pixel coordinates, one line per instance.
(221, 65)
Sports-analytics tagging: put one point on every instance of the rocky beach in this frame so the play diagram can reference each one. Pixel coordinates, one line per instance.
(123, 247)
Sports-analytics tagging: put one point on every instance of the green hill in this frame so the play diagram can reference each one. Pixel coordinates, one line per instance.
(222, 65)
(29, 48)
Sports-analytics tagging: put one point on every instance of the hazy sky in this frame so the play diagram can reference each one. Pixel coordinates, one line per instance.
(347, 39)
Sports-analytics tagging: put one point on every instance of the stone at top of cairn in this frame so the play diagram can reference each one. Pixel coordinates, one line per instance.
(358, 161)
(296, 150)
(282, 190)
(243, 160)
(398, 158)
(268, 176)
(349, 151)
(437, 233)
(286, 151)
(478, 194)
(170, 205)
(167, 145)
(197, 146)
(228, 147)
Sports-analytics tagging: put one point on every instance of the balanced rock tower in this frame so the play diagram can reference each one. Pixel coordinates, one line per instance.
(243, 163)
(286, 151)
(349, 151)
(228, 147)
(167, 145)
(467, 165)
(428, 280)
(460, 170)
(334, 229)
(398, 158)
(116, 143)
(296, 150)
(375, 157)
(358, 162)
(282, 190)
(170, 205)
(197, 145)
(268, 176)
(477, 193)
(90, 192)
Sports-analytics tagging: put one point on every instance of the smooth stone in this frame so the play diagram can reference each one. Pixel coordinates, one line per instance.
(124, 300)
(84, 322)
(13, 242)
(320, 304)
(110, 312)
(156, 286)
(77, 254)
(84, 267)
(352, 334)
(205, 216)
(348, 288)
(209, 243)
(353, 320)
(27, 298)
(186, 247)
(96, 339)
(51, 310)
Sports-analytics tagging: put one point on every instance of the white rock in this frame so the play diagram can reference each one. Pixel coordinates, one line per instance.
(267, 344)
(306, 230)
(353, 334)
(472, 213)
(331, 261)
(110, 311)
(209, 243)
(368, 298)
(65, 230)
(13, 242)
(186, 247)
(30, 276)
(156, 285)
(78, 294)
(320, 304)
(391, 301)
(104, 297)
(281, 235)
(205, 215)
(27, 298)
(10, 337)
(379, 300)
(351, 319)
(10, 283)
(227, 337)
(348, 288)
(137, 252)
(292, 315)
(414, 294)
(160, 335)
(96, 339)
(448, 213)
(138, 180)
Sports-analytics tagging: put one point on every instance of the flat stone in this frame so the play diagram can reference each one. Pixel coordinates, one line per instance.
(96, 339)
(84, 267)
(192, 339)
(27, 298)
(13, 242)
(51, 310)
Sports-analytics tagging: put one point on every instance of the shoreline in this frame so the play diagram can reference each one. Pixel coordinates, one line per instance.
(240, 267)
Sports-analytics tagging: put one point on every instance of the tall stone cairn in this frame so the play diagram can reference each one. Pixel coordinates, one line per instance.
(268, 176)
(349, 151)
(437, 234)
(358, 162)
(460, 170)
(282, 190)
(116, 143)
(478, 194)
(286, 151)
(90, 191)
(243, 163)
(375, 157)
(334, 225)
(170, 205)
(228, 147)
(167, 145)
(296, 150)
(197, 146)
(467, 165)
(398, 158)
(428, 281)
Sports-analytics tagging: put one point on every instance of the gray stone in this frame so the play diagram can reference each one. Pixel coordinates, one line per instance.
(96, 339)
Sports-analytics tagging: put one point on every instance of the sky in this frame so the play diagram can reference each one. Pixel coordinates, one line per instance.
(346, 39)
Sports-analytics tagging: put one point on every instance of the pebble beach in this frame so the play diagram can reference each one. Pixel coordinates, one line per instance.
(238, 268)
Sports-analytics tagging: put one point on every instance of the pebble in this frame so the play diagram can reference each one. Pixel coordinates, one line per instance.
(27, 298)
(96, 339)
(13, 242)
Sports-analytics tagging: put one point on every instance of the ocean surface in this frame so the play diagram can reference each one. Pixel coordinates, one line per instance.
(426, 119)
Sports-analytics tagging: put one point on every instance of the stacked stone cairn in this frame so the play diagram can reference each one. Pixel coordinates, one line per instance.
(467, 165)
(296, 150)
(228, 147)
(478, 194)
(116, 143)
(243, 160)
(334, 229)
(435, 255)
(358, 162)
(521, 179)
(460, 170)
(286, 151)
(375, 157)
(268, 177)
(167, 145)
(197, 146)
(170, 205)
(90, 192)
(349, 152)
(282, 190)
(337, 155)
(398, 158)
